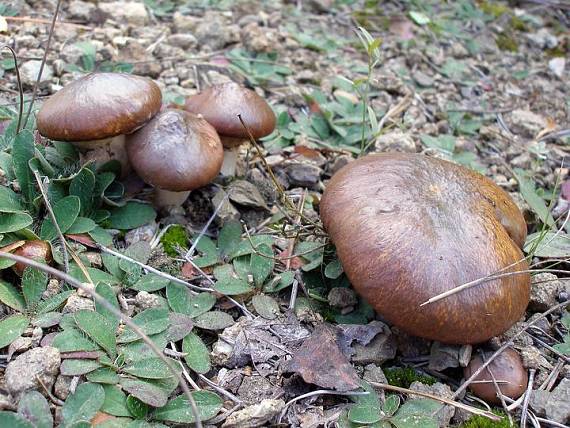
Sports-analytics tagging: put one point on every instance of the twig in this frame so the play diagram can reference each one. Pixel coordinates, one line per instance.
(20, 89)
(318, 392)
(54, 221)
(118, 314)
(44, 21)
(43, 63)
(505, 345)
(53, 398)
(524, 410)
(481, 111)
(451, 402)
(221, 390)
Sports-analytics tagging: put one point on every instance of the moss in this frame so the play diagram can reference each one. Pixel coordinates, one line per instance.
(483, 422)
(174, 238)
(405, 376)
(518, 24)
(493, 8)
(507, 43)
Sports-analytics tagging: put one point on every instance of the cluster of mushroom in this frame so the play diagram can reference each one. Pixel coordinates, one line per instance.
(408, 228)
(120, 116)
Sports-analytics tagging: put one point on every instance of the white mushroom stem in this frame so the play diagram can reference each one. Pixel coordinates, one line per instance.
(104, 150)
(167, 199)
(231, 149)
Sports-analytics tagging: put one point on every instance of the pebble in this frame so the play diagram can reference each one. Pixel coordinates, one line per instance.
(21, 374)
(543, 39)
(380, 349)
(544, 291)
(133, 13)
(303, 174)
(80, 10)
(254, 389)
(145, 300)
(526, 123)
(555, 404)
(256, 415)
(557, 65)
(76, 303)
(423, 79)
(62, 386)
(342, 298)
(396, 141)
(142, 233)
(183, 41)
(29, 73)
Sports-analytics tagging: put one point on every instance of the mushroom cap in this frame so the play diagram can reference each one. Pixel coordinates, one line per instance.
(99, 106)
(176, 151)
(37, 250)
(507, 367)
(408, 227)
(220, 105)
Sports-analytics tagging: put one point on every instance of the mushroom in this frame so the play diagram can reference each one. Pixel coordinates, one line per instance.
(36, 250)
(175, 152)
(506, 368)
(220, 106)
(95, 112)
(408, 227)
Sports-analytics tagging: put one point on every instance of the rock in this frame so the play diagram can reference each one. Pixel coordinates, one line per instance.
(538, 400)
(533, 359)
(145, 300)
(557, 65)
(543, 39)
(227, 211)
(423, 79)
(259, 39)
(80, 10)
(527, 123)
(29, 73)
(457, 50)
(184, 23)
(76, 303)
(62, 386)
(440, 390)
(374, 373)
(443, 356)
(184, 41)
(254, 389)
(22, 374)
(131, 12)
(53, 288)
(230, 379)
(342, 298)
(558, 406)
(303, 174)
(256, 415)
(338, 163)
(244, 193)
(380, 349)
(544, 291)
(214, 32)
(395, 141)
(320, 5)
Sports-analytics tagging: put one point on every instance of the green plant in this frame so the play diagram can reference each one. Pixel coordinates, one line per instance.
(368, 411)
(477, 421)
(565, 346)
(259, 69)
(174, 238)
(89, 62)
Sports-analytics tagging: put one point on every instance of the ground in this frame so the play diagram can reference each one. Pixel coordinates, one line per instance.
(481, 83)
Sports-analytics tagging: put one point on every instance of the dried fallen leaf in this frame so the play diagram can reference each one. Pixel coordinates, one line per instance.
(320, 361)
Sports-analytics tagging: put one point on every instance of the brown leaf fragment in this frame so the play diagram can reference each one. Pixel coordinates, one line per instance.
(320, 361)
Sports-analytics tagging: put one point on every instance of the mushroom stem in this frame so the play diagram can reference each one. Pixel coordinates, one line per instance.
(166, 198)
(101, 151)
(229, 164)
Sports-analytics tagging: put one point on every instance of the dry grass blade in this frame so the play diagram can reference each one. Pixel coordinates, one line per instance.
(20, 89)
(453, 403)
(104, 303)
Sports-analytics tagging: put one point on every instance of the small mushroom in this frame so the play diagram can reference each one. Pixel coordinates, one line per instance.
(36, 250)
(176, 152)
(408, 227)
(506, 368)
(220, 106)
(95, 112)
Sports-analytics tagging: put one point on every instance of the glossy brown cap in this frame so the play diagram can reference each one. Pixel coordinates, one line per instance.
(98, 106)
(176, 151)
(37, 250)
(221, 104)
(508, 371)
(408, 227)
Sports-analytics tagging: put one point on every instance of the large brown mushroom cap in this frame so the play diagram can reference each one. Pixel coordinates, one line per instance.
(408, 227)
(99, 106)
(508, 371)
(221, 104)
(176, 151)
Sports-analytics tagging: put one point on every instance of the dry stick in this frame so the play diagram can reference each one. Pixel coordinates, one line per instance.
(506, 345)
(524, 409)
(451, 402)
(54, 221)
(43, 63)
(20, 89)
(104, 303)
(221, 390)
(44, 21)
